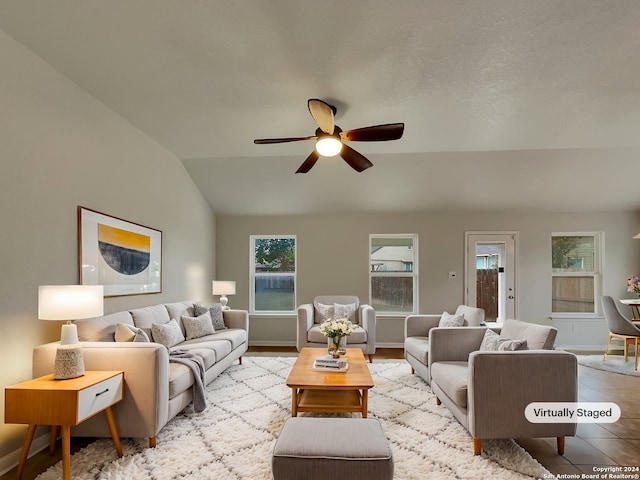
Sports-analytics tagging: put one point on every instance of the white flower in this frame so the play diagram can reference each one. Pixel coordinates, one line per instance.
(337, 328)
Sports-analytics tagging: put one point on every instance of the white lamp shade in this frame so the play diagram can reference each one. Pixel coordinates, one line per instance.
(70, 302)
(328, 146)
(224, 287)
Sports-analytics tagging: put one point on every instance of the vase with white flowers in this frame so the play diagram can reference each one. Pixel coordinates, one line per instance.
(633, 284)
(336, 331)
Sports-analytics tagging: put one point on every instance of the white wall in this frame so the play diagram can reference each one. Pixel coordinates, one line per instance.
(60, 148)
(333, 259)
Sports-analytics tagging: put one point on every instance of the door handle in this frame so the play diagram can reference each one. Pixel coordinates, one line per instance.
(510, 297)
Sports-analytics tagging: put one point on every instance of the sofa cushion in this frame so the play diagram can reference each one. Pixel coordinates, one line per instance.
(473, 317)
(330, 300)
(492, 342)
(359, 335)
(145, 317)
(208, 355)
(168, 334)
(235, 336)
(219, 346)
(180, 378)
(323, 312)
(101, 329)
(452, 378)
(215, 311)
(130, 333)
(537, 336)
(448, 320)
(196, 327)
(418, 347)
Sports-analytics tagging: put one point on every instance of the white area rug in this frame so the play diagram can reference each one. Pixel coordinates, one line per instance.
(234, 437)
(613, 363)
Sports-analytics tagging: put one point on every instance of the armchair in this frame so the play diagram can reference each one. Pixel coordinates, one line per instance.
(311, 315)
(487, 391)
(416, 336)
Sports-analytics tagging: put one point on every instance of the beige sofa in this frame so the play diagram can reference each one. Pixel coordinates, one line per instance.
(487, 391)
(156, 389)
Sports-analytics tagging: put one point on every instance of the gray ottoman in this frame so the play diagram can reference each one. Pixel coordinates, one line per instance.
(313, 448)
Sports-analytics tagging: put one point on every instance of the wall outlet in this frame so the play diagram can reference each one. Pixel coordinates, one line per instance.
(452, 274)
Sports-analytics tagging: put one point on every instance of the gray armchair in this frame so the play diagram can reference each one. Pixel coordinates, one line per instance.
(488, 391)
(416, 336)
(310, 318)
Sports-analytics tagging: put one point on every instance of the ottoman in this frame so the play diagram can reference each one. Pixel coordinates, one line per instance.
(315, 448)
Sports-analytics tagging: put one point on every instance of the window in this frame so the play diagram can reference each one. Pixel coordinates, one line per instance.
(576, 264)
(393, 275)
(273, 274)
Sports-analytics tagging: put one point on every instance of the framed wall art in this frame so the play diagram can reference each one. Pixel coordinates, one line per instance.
(124, 257)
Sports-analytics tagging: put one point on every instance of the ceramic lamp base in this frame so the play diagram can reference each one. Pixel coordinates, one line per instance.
(69, 362)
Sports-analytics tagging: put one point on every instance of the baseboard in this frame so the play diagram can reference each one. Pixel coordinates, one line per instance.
(11, 460)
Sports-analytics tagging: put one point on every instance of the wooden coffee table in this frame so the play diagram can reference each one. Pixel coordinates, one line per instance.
(326, 391)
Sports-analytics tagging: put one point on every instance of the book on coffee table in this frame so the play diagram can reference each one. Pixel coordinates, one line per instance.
(328, 363)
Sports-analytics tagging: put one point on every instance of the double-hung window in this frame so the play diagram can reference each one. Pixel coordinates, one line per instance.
(393, 273)
(273, 274)
(576, 267)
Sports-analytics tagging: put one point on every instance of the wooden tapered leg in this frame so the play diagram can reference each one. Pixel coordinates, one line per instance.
(66, 451)
(477, 446)
(412, 371)
(25, 450)
(53, 436)
(111, 421)
(152, 442)
(438, 402)
(370, 358)
(560, 441)
(240, 360)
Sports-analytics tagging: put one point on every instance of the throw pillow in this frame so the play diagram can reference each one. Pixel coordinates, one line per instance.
(324, 311)
(129, 333)
(448, 320)
(215, 311)
(197, 327)
(345, 311)
(492, 342)
(168, 334)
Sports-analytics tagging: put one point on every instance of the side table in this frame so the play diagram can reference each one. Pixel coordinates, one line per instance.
(63, 403)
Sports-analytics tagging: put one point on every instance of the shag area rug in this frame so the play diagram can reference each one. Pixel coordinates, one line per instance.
(613, 363)
(248, 404)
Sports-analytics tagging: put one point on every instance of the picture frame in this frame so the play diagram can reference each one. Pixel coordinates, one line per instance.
(124, 257)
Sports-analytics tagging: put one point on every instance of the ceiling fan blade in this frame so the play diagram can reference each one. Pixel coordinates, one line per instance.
(263, 141)
(309, 162)
(323, 114)
(375, 133)
(355, 160)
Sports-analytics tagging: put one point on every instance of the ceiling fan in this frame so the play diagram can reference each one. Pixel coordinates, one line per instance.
(330, 139)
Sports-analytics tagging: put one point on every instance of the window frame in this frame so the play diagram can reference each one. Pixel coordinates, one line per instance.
(253, 275)
(399, 274)
(596, 274)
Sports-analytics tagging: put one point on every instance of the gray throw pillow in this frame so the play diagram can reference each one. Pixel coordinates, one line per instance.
(324, 311)
(197, 327)
(129, 333)
(344, 311)
(168, 334)
(448, 320)
(215, 311)
(492, 342)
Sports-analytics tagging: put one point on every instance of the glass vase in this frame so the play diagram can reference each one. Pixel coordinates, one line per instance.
(337, 345)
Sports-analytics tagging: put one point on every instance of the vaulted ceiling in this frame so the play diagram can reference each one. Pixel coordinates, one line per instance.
(507, 104)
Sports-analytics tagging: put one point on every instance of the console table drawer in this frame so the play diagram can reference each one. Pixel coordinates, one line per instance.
(96, 398)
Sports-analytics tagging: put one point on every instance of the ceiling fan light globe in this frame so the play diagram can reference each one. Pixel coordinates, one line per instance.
(328, 146)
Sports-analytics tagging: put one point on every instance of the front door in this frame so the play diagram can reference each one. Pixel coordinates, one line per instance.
(490, 273)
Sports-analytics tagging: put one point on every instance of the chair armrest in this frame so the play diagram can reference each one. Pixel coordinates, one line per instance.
(368, 321)
(502, 384)
(145, 407)
(420, 325)
(454, 344)
(304, 323)
(236, 319)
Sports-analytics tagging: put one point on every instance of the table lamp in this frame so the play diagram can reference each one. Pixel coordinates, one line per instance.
(69, 302)
(224, 288)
